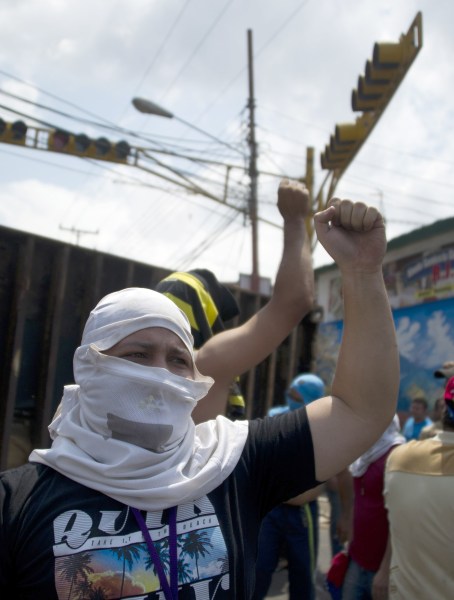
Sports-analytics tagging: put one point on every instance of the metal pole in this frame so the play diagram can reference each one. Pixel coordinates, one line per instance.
(78, 232)
(253, 174)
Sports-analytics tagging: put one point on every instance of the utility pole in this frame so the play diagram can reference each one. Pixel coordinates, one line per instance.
(78, 232)
(253, 173)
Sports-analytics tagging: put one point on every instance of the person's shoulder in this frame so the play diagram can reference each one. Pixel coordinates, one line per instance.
(416, 456)
(408, 423)
(26, 470)
(382, 460)
(23, 476)
(17, 484)
(429, 431)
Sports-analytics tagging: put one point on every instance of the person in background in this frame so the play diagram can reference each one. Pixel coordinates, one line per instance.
(292, 527)
(446, 371)
(368, 570)
(419, 483)
(436, 416)
(339, 491)
(417, 420)
(208, 305)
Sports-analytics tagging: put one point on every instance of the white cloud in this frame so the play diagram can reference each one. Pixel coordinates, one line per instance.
(406, 332)
(440, 333)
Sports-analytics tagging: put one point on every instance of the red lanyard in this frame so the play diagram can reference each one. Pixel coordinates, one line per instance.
(170, 592)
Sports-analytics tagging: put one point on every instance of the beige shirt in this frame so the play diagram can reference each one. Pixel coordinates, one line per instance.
(419, 496)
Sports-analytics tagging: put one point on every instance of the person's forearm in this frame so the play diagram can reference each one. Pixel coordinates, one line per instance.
(235, 351)
(367, 373)
(345, 490)
(380, 581)
(386, 560)
(294, 286)
(306, 497)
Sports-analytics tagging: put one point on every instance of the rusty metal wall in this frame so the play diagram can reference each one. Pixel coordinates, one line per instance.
(47, 289)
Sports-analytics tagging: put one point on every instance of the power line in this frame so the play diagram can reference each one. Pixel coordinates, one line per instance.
(256, 54)
(198, 46)
(161, 47)
(311, 124)
(100, 123)
(115, 128)
(417, 197)
(55, 97)
(406, 175)
(216, 234)
(368, 183)
(413, 155)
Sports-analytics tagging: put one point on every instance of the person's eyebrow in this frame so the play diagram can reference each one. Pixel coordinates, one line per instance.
(122, 345)
(181, 350)
(174, 346)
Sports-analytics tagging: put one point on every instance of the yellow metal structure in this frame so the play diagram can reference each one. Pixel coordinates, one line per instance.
(383, 75)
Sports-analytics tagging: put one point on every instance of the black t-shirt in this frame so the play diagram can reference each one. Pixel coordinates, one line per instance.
(62, 540)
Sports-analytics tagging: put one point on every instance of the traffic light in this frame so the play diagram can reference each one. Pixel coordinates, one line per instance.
(345, 141)
(59, 140)
(383, 75)
(84, 146)
(13, 133)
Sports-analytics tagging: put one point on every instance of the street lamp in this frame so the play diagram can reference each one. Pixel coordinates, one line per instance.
(151, 108)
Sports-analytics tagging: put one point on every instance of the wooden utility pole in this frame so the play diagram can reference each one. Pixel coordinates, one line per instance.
(253, 173)
(78, 232)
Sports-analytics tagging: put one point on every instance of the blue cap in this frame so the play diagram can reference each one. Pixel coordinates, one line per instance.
(308, 387)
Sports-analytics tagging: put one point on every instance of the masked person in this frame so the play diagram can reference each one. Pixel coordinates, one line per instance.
(208, 305)
(133, 500)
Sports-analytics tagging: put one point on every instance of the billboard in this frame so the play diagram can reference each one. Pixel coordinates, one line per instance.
(425, 335)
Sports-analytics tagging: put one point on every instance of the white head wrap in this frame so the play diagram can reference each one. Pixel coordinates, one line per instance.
(125, 429)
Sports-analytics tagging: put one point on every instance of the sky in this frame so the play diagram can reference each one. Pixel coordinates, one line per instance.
(77, 65)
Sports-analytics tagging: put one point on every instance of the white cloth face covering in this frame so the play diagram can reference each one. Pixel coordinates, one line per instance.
(146, 406)
(125, 429)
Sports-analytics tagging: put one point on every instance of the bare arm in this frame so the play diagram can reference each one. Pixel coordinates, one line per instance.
(345, 490)
(235, 351)
(365, 386)
(306, 497)
(380, 582)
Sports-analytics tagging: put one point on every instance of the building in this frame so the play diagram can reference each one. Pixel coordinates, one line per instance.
(419, 275)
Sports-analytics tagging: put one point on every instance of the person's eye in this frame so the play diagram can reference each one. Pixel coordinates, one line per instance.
(134, 355)
(180, 360)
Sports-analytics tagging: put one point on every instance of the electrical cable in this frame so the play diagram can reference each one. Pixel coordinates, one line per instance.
(201, 247)
(197, 48)
(406, 175)
(101, 123)
(114, 128)
(161, 48)
(418, 198)
(256, 55)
